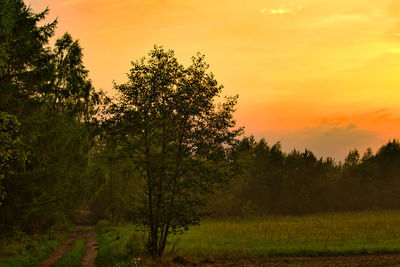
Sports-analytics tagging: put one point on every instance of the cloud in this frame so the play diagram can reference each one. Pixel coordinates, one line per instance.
(282, 10)
(326, 139)
(380, 115)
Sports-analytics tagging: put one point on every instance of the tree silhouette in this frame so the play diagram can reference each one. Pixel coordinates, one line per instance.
(178, 137)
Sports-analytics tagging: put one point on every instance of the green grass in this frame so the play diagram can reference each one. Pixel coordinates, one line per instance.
(319, 234)
(121, 245)
(74, 256)
(24, 250)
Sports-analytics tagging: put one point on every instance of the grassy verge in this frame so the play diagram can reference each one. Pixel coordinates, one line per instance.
(347, 233)
(74, 256)
(121, 245)
(26, 250)
(320, 234)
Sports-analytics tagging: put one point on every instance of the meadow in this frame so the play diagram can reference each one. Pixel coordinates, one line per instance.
(333, 234)
(310, 235)
(344, 233)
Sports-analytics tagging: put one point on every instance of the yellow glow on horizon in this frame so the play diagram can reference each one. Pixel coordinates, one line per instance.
(298, 65)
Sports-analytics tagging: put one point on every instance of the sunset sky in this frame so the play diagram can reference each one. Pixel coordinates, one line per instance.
(321, 74)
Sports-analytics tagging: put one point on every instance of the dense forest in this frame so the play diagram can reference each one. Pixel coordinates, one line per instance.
(160, 153)
(48, 128)
(269, 181)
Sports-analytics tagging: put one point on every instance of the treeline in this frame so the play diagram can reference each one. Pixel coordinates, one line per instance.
(269, 181)
(47, 122)
(162, 148)
(266, 180)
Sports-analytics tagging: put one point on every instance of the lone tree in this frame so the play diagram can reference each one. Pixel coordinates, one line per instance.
(167, 119)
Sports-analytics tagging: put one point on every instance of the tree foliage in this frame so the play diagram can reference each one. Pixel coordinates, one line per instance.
(12, 153)
(178, 138)
(269, 181)
(166, 148)
(47, 105)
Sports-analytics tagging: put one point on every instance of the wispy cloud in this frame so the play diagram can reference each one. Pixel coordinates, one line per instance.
(282, 10)
(327, 140)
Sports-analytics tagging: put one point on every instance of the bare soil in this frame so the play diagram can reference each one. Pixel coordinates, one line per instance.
(57, 255)
(354, 260)
(88, 260)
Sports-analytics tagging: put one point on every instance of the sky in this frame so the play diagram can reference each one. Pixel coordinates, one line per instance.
(316, 74)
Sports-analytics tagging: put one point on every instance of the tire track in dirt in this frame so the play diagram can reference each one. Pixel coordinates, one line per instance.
(67, 246)
(88, 260)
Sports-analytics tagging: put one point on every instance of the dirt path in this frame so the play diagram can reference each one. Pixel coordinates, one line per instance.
(92, 246)
(57, 255)
(88, 259)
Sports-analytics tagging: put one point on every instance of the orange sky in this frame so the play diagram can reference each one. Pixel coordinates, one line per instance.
(322, 74)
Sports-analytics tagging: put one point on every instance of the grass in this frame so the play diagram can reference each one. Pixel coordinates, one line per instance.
(345, 233)
(74, 256)
(311, 235)
(319, 234)
(121, 245)
(26, 250)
